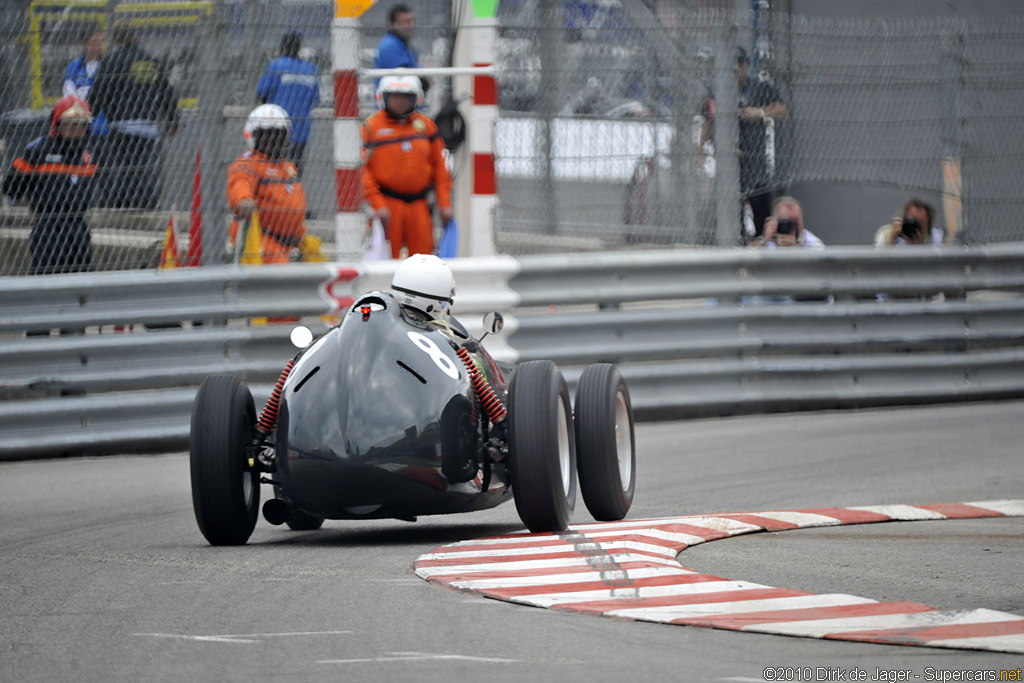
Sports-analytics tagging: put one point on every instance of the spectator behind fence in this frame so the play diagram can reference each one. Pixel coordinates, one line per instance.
(56, 174)
(81, 72)
(394, 50)
(759, 101)
(264, 181)
(293, 84)
(914, 225)
(402, 158)
(785, 227)
(133, 93)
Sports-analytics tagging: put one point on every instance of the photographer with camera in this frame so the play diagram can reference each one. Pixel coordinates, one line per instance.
(914, 225)
(785, 227)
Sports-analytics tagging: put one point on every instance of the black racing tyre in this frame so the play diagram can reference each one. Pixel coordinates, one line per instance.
(605, 450)
(459, 441)
(303, 521)
(542, 447)
(225, 490)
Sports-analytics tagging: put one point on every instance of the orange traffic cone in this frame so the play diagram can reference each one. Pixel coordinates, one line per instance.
(169, 252)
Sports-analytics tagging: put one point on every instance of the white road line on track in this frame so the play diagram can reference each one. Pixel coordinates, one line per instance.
(419, 656)
(578, 577)
(914, 620)
(239, 638)
(901, 512)
(552, 549)
(801, 519)
(689, 611)
(685, 539)
(549, 599)
(1010, 508)
(595, 572)
(1011, 643)
(708, 522)
(539, 565)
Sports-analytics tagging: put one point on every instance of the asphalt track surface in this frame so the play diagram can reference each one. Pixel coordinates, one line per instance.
(105, 577)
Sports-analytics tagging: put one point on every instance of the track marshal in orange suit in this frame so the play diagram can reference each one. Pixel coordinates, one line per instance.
(264, 181)
(403, 158)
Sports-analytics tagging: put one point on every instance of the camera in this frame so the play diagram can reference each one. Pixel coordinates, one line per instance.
(910, 228)
(785, 226)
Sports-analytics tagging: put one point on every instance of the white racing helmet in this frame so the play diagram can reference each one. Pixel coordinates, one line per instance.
(265, 117)
(426, 283)
(408, 85)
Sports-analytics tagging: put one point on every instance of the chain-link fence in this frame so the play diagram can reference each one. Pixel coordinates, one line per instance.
(620, 121)
(211, 56)
(605, 107)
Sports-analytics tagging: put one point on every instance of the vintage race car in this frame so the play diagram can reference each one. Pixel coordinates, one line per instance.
(394, 415)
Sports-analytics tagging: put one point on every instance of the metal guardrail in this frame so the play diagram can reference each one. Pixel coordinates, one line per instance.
(687, 328)
(709, 340)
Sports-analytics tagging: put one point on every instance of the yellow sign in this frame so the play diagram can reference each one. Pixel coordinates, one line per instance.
(47, 39)
(349, 9)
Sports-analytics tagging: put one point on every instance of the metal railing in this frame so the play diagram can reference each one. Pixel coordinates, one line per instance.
(695, 333)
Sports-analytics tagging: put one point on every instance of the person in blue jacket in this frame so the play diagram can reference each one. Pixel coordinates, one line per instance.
(81, 72)
(394, 50)
(293, 84)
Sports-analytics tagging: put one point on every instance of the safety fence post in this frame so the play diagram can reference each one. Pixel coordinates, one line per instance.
(350, 223)
(484, 201)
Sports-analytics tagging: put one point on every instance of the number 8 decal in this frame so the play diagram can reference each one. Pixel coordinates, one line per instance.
(427, 345)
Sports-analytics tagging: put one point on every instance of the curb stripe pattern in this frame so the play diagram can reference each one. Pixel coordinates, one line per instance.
(629, 570)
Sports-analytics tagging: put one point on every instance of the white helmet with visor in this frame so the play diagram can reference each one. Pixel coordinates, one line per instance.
(425, 282)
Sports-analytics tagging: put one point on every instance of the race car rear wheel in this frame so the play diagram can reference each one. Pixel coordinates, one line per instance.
(542, 447)
(225, 490)
(606, 455)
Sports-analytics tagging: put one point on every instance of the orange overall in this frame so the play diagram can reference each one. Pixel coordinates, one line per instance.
(402, 159)
(280, 201)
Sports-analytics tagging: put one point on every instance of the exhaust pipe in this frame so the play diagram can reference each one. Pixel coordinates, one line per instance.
(276, 511)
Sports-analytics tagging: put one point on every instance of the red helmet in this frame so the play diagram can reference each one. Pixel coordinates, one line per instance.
(69, 108)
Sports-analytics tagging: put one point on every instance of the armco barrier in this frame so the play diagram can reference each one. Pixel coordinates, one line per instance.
(151, 337)
(701, 333)
(693, 332)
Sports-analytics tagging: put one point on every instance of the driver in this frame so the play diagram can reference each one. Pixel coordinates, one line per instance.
(425, 288)
(424, 285)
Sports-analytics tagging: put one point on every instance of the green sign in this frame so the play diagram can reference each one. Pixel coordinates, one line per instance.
(484, 9)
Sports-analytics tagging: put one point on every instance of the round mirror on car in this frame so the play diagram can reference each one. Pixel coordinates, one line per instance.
(301, 337)
(493, 322)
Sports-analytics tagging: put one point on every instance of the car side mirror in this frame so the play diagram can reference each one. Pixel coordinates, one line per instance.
(493, 322)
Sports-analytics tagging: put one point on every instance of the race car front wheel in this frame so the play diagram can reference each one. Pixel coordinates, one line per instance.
(225, 490)
(542, 447)
(606, 455)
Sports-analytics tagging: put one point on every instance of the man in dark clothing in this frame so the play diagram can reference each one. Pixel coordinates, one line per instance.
(132, 91)
(395, 50)
(56, 175)
(759, 101)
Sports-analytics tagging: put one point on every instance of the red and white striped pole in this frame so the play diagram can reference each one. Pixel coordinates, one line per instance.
(482, 119)
(349, 222)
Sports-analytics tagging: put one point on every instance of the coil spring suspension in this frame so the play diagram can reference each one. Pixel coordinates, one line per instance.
(484, 391)
(268, 418)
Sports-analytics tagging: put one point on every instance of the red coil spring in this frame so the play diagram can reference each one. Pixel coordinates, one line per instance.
(490, 401)
(268, 418)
